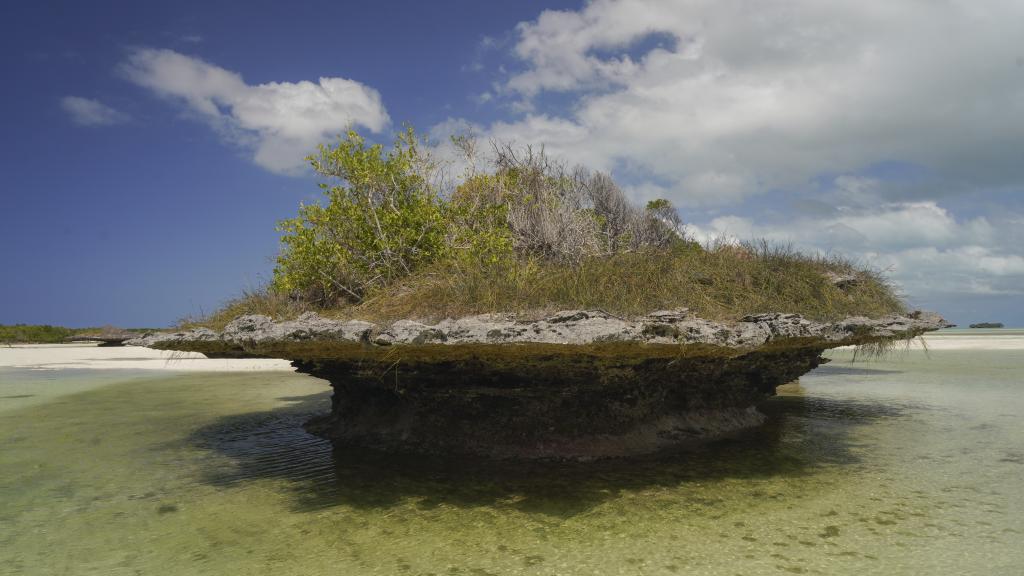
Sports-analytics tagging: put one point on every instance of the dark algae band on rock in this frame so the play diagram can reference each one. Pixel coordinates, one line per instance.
(576, 384)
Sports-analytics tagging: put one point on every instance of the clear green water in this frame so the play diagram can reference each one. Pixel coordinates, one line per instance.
(909, 466)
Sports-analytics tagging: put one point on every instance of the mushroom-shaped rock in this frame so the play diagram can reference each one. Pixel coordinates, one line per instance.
(578, 383)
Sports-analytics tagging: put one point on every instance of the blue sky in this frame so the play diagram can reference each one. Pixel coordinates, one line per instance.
(149, 148)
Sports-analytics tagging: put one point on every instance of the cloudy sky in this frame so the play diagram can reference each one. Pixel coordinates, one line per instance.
(148, 150)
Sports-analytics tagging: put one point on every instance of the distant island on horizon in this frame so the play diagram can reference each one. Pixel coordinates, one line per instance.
(48, 334)
(987, 325)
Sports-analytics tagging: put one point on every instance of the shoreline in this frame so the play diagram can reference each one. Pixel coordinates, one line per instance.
(962, 339)
(95, 357)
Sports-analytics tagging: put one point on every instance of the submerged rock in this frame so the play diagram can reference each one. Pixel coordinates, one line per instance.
(577, 384)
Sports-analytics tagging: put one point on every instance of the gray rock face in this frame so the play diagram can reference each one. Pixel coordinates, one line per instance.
(258, 335)
(577, 384)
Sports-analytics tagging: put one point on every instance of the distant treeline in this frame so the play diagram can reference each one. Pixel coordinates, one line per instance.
(44, 333)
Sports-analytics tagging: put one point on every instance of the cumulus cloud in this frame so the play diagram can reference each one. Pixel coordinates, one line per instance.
(749, 98)
(281, 122)
(89, 112)
(790, 112)
(925, 248)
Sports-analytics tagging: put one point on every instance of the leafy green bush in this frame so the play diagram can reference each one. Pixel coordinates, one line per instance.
(382, 221)
(388, 214)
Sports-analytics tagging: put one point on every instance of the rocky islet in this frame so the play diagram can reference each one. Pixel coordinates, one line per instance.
(575, 384)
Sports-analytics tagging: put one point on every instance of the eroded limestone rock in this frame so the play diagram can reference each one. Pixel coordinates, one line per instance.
(258, 335)
(579, 383)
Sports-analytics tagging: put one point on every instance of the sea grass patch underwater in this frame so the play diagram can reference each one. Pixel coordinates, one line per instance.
(908, 466)
(395, 239)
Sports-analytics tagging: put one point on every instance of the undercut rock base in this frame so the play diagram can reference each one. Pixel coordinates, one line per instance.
(579, 384)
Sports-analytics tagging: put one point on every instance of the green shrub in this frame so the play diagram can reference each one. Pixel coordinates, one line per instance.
(382, 220)
(387, 216)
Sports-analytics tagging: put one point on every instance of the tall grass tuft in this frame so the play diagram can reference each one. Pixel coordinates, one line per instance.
(723, 282)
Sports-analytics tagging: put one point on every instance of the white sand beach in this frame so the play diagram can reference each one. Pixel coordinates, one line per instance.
(971, 340)
(92, 356)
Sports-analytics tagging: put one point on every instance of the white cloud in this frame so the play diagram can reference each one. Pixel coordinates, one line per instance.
(775, 96)
(281, 121)
(922, 245)
(88, 112)
(770, 95)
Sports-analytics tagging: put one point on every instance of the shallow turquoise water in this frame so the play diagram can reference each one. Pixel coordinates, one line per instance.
(909, 466)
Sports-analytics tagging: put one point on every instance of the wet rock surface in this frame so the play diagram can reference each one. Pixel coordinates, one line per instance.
(576, 384)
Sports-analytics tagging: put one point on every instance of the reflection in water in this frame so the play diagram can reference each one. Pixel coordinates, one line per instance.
(800, 436)
(883, 468)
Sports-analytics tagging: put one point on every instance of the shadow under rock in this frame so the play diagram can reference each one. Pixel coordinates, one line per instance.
(801, 435)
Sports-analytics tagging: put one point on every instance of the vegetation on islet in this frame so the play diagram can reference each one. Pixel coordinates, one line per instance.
(397, 236)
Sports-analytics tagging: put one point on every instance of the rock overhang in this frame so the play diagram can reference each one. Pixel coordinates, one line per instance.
(575, 384)
(661, 333)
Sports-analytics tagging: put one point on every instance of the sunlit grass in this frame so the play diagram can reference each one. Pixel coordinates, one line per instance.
(720, 282)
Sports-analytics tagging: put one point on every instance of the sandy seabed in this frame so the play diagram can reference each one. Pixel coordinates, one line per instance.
(59, 356)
